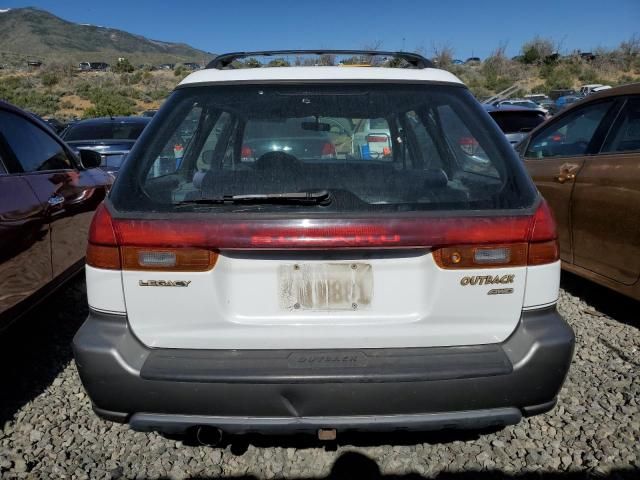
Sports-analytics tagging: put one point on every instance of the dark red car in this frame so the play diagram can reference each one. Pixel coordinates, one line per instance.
(47, 198)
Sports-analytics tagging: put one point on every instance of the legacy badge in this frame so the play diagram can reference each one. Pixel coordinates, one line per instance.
(164, 283)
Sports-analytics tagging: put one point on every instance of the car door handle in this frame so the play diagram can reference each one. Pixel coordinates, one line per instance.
(564, 177)
(55, 200)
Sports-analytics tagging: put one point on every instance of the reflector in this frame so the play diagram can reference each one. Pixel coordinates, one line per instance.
(168, 259)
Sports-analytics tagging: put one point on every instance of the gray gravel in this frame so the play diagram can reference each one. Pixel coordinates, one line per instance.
(49, 430)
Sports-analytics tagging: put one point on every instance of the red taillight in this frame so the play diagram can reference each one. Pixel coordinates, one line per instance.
(377, 139)
(469, 145)
(543, 239)
(102, 250)
(246, 153)
(543, 225)
(328, 150)
(101, 231)
(467, 141)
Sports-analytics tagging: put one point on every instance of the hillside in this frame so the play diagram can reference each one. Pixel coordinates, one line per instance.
(33, 34)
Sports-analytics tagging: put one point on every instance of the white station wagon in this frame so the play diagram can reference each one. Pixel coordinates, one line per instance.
(276, 280)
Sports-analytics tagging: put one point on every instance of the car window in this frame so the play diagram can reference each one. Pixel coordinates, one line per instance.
(570, 135)
(173, 150)
(433, 148)
(625, 134)
(34, 148)
(511, 121)
(467, 148)
(104, 131)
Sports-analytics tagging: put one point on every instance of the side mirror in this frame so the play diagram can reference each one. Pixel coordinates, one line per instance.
(89, 158)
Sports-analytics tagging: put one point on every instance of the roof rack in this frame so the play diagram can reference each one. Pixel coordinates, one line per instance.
(225, 60)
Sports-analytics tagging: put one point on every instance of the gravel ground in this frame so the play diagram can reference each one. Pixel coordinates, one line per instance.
(49, 430)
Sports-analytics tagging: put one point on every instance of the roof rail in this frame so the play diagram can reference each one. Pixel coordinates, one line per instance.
(225, 60)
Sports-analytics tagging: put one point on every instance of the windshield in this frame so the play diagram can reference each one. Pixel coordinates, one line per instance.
(517, 121)
(104, 131)
(372, 147)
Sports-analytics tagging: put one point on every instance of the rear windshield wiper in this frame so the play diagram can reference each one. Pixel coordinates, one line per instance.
(321, 197)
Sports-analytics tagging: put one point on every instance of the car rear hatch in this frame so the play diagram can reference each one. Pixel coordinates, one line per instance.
(428, 246)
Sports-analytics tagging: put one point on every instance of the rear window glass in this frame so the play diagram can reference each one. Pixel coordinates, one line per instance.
(104, 131)
(372, 147)
(514, 122)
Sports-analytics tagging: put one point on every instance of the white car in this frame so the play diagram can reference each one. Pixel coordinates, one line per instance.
(319, 292)
(372, 138)
(592, 88)
(522, 102)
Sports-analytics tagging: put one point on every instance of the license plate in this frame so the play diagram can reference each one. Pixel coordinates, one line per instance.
(325, 286)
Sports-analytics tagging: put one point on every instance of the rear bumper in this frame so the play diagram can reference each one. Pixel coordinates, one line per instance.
(279, 391)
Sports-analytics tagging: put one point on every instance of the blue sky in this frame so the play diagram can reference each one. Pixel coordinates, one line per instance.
(469, 26)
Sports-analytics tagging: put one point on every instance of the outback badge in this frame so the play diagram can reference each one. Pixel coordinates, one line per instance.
(487, 280)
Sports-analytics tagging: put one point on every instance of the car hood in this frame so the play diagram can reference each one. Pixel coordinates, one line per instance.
(105, 147)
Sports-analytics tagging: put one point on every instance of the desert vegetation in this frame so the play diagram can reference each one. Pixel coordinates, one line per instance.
(58, 89)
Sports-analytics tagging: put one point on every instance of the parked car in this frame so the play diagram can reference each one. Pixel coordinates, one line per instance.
(111, 137)
(549, 105)
(192, 66)
(372, 138)
(521, 102)
(93, 66)
(588, 89)
(516, 122)
(601, 88)
(303, 138)
(473, 61)
(555, 94)
(536, 97)
(585, 163)
(566, 100)
(300, 292)
(47, 199)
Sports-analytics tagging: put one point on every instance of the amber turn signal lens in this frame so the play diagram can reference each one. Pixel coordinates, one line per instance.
(99, 256)
(168, 259)
(543, 252)
(510, 255)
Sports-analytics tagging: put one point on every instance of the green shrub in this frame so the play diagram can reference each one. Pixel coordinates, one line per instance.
(49, 79)
(131, 78)
(537, 50)
(109, 103)
(159, 94)
(22, 92)
(123, 66)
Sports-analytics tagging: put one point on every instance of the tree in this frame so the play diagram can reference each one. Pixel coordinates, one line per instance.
(278, 62)
(252, 63)
(123, 66)
(630, 51)
(537, 50)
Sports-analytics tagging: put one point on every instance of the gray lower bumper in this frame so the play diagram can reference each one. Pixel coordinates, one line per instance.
(269, 392)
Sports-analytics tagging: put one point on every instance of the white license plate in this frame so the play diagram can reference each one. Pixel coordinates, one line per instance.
(325, 286)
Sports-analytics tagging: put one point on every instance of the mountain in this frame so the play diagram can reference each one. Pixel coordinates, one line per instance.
(34, 34)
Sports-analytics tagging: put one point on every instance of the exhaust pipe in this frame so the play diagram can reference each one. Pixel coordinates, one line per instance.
(208, 436)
